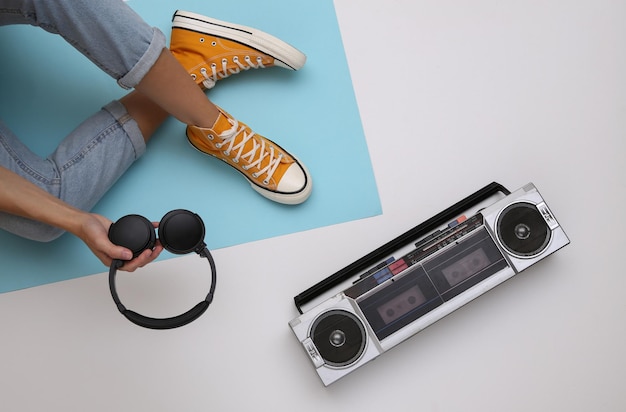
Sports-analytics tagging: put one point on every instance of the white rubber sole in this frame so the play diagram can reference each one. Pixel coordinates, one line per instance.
(283, 53)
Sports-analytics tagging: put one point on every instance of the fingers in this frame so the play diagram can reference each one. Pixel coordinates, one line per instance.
(120, 253)
(112, 252)
(143, 259)
(96, 237)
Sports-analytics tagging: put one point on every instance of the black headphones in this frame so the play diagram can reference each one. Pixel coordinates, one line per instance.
(180, 232)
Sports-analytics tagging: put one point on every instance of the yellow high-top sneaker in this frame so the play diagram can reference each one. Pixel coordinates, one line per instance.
(211, 49)
(269, 168)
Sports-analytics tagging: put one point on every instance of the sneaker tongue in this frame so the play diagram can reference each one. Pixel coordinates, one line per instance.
(221, 123)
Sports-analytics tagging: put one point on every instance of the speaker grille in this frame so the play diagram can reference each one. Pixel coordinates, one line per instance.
(522, 230)
(339, 337)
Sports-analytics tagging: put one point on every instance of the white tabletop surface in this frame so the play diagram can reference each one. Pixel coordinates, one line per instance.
(453, 95)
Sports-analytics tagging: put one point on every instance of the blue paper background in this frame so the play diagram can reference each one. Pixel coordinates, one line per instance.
(48, 88)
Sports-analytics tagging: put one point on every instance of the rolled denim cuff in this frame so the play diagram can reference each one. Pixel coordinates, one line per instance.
(119, 113)
(134, 76)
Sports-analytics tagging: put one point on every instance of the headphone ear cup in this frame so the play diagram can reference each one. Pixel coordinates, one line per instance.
(133, 232)
(181, 232)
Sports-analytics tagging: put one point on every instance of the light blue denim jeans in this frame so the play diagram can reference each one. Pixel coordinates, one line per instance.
(87, 162)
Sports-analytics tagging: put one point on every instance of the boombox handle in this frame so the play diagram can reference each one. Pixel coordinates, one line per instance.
(412, 235)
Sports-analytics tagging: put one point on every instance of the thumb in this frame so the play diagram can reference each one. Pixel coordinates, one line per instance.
(120, 253)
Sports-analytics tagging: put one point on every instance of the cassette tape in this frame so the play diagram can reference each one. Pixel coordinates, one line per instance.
(399, 289)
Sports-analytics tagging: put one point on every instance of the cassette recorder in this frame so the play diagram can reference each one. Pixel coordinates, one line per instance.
(423, 275)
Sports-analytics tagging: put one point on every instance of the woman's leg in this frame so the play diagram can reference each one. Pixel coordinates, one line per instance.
(88, 162)
(169, 85)
(122, 44)
(101, 31)
(80, 171)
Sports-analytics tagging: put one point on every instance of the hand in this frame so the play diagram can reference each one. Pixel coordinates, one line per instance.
(94, 232)
(20, 197)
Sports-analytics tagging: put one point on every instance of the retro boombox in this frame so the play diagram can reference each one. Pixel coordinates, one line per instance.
(423, 275)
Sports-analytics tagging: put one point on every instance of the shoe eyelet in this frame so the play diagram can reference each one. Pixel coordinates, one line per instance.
(235, 160)
(201, 39)
(193, 76)
(259, 59)
(218, 145)
(245, 167)
(236, 59)
(213, 65)
(210, 137)
(213, 43)
(266, 182)
(247, 59)
(255, 175)
(226, 153)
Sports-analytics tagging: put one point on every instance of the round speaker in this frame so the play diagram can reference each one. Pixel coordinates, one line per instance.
(522, 230)
(339, 337)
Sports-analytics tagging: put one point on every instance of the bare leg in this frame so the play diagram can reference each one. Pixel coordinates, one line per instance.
(169, 85)
(148, 115)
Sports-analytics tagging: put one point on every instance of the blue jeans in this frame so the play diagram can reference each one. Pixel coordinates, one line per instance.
(88, 161)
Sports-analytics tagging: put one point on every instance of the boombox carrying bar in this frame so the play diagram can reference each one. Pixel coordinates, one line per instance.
(410, 236)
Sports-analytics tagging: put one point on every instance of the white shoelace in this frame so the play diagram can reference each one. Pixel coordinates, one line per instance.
(209, 80)
(255, 156)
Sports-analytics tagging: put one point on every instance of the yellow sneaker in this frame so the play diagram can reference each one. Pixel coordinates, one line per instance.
(269, 168)
(211, 49)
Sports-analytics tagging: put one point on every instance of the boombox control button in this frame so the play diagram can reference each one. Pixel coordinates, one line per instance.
(547, 215)
(310, 348)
